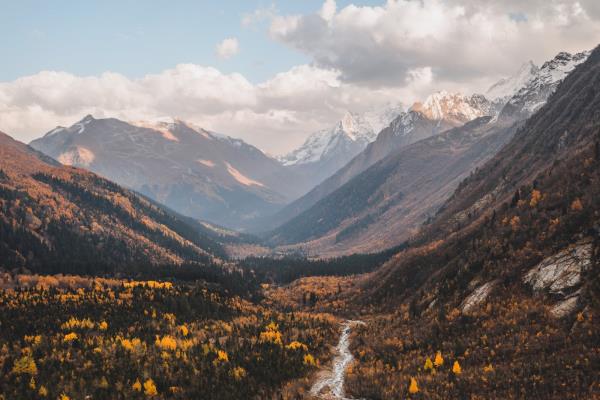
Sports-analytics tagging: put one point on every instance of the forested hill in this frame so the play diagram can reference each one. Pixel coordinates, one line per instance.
(63, 219)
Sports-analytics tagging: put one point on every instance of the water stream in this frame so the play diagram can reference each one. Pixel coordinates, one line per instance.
(330, 385)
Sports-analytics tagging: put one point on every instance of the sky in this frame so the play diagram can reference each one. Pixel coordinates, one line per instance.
(269, 72)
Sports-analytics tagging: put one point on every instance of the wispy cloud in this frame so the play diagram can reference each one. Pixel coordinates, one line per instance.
(228, 48)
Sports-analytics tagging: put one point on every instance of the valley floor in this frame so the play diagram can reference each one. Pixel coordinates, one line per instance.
(509, 347)
(69, 337)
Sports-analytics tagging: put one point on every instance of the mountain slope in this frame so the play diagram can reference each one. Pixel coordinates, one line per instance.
(541, 83)
(502, 91)
(503, 284)
(537, 197)
(437, 113)
(64, 219)
(387, 203)
(408, 186)
(193, 171)
(326, 151)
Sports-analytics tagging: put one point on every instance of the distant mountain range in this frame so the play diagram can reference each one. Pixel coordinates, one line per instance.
(193, 171)
(219, 179)
(326, 151)
(386, 192)
(439, 112)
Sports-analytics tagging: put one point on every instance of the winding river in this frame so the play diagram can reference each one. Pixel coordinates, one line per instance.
(330, 385)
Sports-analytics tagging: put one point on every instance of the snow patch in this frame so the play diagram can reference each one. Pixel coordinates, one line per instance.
(206, 163)
(162, 127)
(80, 126)
(241, 178)
(78, 156)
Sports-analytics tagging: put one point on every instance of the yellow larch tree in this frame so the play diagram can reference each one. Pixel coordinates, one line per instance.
(150, 388)
(439, 360)
(456, 368)
(413, 387)
(428, 364)
(43, 392)
(25, 365)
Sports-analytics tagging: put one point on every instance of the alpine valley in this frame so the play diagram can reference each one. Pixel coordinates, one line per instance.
(445, 249)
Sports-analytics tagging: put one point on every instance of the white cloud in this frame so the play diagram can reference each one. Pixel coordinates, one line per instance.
(328, 10)
(259, 15)
(228, 48)
(467, 43)
(275, 115)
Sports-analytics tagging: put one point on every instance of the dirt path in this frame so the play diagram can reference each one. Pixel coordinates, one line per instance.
(330, 384)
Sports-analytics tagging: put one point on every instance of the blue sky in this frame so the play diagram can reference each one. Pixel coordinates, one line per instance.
(139, 37)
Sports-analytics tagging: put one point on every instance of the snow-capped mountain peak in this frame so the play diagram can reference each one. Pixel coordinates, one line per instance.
(534, 93)
(507, 87)
(353, 132)
(77, 128)
(454, 107)
(556, 69)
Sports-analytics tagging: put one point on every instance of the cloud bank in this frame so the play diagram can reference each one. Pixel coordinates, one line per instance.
(464, 42)
(275, 115)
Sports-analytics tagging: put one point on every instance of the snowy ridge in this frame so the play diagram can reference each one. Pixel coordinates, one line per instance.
(404, 124)
(507, 87)
(76, 128)
(360, 129)
(538, 89)
(453, 107)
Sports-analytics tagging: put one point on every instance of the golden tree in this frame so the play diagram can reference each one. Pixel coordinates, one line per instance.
(150, 388)
(428, 364)
(25, 365)
(456, 368)
(576, 205)
(413, 387)
(439, 360)
(137, 386)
